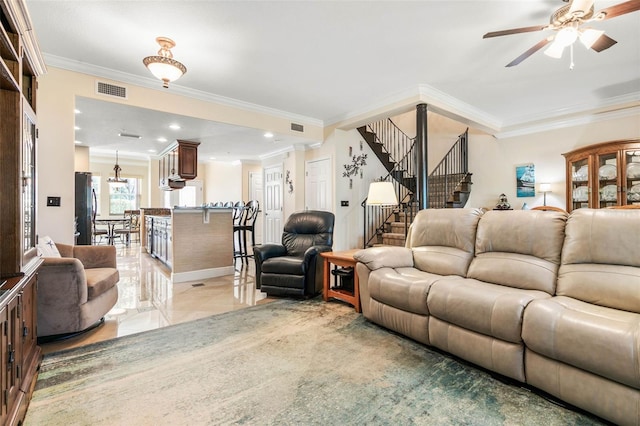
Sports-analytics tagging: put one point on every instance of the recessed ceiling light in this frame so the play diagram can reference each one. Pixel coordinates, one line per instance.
(77, 142)
(151, 150)
(212, 158)
(268, 135)
(77, 111)
(76, 128)
(161, 139)
(174, 126)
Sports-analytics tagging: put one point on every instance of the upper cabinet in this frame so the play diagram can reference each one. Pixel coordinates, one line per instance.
(178, 163)
(604, 175)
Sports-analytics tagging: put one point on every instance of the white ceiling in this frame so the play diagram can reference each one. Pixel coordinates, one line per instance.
(326, 61)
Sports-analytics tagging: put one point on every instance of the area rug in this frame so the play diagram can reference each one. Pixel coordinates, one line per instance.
(283, 363)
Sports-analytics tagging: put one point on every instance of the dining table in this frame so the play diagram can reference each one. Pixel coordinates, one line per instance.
(111, 223)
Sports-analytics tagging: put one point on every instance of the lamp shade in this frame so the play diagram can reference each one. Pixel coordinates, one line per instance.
(163, 66)
(545, 187)
(382, 194)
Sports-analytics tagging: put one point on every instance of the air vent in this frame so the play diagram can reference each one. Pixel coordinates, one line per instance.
(297, 127)
(111, 90)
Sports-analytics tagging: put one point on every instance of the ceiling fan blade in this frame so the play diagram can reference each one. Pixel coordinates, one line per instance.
(604, 42)
(529, 52)
(515, 31)
(620, 9)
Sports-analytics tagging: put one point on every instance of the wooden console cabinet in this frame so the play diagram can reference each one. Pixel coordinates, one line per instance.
(20, 64)
(604, 175)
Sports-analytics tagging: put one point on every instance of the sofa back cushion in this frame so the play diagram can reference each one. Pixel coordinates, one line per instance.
(519, 248)
(601, 258)
(442, 240)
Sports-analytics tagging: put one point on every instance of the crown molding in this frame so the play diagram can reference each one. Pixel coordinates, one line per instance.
(584, 109)
(276, 153)
(403, 100)
(571, 122)
(153, 83)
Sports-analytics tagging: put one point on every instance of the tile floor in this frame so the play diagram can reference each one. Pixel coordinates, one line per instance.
(148, 299)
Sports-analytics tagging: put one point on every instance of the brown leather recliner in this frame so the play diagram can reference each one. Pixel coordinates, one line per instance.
(294, 267)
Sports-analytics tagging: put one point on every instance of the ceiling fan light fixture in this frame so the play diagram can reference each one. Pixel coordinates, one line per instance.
(163, 66)
(589, 36)
(566, 36)
(554, 50)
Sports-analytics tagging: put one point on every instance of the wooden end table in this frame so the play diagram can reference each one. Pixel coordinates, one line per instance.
(344, 259)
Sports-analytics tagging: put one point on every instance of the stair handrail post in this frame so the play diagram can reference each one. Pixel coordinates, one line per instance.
(422, 179)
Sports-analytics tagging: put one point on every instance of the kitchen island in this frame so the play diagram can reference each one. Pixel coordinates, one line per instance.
(195, 243)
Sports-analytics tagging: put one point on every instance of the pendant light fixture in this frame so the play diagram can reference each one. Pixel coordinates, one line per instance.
(117, 180)
(163, 66)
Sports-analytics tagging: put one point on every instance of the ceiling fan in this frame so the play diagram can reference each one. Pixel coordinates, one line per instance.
(567, 22)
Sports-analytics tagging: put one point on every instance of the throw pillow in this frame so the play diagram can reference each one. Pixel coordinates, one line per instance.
(47, 248)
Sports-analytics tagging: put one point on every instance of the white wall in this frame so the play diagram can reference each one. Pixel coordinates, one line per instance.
(493, 161)
(223, 182)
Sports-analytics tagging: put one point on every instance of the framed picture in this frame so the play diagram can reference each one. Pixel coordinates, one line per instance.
(526, 180)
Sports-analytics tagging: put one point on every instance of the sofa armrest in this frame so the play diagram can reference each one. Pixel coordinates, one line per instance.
(313, 251)
(96, 256)
(62, 282)
(385, 257)
(266, 251)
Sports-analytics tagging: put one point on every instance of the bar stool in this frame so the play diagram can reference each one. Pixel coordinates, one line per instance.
(248, 224)
(237, 215)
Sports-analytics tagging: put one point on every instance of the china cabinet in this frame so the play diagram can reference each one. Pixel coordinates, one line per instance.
(603, 175)
(20, 64)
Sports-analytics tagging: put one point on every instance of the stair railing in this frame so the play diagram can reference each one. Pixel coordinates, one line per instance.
(399, 146)
(449, 173)
(394, 141)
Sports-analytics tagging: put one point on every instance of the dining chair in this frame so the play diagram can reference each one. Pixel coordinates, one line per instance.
(133, 220)
(97, 231)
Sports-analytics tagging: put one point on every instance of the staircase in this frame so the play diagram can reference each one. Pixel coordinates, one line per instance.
(449, 184)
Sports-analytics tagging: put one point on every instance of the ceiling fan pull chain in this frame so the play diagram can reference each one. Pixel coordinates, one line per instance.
(572, 64)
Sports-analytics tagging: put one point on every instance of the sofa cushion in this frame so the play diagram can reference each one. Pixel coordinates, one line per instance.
(601, 258)
(490, 309)
(594, 338)
(286, 265)
(443, 240)
(100, 280)
(519, 248)
(402, 288)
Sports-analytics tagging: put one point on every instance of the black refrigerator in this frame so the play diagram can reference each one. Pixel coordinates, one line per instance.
(85, 205)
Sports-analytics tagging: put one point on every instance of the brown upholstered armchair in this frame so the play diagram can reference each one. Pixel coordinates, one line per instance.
(294, 268)
(76, 290)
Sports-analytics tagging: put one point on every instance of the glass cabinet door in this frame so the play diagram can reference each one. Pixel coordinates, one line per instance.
(631, 177)
(579, 183)
(607, 188)
(28, 186)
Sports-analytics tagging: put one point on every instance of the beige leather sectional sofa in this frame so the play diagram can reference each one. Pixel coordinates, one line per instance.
(546, 298)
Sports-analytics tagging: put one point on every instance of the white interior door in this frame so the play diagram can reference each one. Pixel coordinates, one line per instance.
(256, 192)
(273, 204)
(318, 185)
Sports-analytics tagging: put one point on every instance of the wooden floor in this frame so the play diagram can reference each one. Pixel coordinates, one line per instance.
(147, 299)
